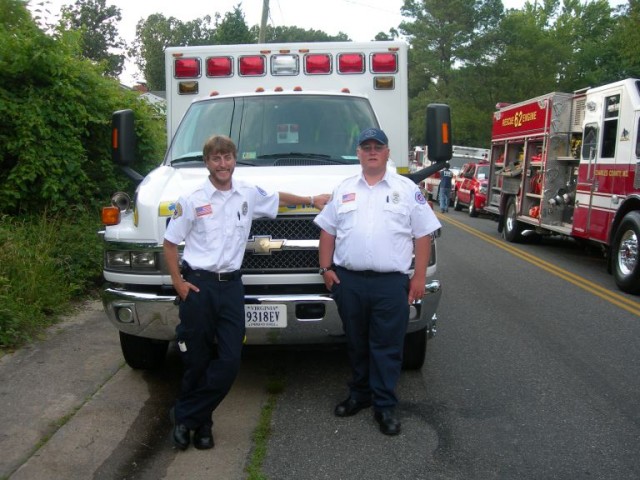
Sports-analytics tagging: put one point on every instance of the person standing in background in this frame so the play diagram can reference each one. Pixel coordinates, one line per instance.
(444, 190)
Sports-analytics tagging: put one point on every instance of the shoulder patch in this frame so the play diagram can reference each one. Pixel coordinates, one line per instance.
(420, 198)
(177, 210)
(261, 191)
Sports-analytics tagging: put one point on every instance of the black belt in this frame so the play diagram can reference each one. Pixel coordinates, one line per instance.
(369, 273)
(217, 276)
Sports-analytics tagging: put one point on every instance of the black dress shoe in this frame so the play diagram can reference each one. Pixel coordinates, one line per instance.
(203, 438)
(389, 424)
(181, 436)
(350, 407)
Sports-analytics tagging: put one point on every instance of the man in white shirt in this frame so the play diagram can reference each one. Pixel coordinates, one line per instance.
(214, 222)
(371, 228)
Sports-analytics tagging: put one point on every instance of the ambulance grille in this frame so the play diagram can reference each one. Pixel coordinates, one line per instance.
(290, 260)
(284, 260)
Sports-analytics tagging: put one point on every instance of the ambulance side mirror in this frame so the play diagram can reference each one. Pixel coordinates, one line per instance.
(123, 142)
(123, 137)
(438, 132)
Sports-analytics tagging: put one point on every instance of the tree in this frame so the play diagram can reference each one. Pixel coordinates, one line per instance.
(626, 38)
(296, 34)
(97, 24)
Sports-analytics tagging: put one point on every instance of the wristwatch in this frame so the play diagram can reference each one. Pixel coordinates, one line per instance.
(324, 270)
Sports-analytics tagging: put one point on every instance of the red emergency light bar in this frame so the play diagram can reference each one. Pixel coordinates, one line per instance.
(350, 63)
(252, 66)
(186, 67)
(317, 64)
(384, 63)
(219, 67)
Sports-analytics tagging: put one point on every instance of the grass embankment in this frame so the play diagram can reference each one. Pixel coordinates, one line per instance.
(46, 262)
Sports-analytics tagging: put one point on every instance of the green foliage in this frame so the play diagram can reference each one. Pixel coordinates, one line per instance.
(56, 107)
(98, 31)
(46, 261)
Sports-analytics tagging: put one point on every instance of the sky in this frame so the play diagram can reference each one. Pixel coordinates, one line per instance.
(361, 20)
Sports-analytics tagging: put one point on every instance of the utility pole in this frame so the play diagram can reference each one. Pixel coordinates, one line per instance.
(263, 22)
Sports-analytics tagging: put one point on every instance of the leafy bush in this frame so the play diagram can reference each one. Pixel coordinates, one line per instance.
(55, 137)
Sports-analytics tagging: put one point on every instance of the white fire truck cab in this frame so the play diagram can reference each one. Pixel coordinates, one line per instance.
(294, 112)
(569, 164)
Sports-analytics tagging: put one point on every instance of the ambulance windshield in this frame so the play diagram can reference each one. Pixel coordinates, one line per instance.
(276, 129)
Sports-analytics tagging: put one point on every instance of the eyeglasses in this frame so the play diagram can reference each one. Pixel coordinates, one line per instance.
(219, 158)
(370, 148)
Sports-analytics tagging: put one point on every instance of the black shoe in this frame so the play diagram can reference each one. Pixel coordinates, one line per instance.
(181, 436)
(389, 424)
(203, 438)
(350, 407)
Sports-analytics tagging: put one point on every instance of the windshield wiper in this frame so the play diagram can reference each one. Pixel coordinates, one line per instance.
(187, 158)
(296, 154)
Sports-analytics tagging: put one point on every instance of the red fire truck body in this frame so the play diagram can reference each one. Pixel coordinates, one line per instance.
(569, 164)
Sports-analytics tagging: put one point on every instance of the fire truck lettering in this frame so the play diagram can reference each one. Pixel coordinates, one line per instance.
(519, 118)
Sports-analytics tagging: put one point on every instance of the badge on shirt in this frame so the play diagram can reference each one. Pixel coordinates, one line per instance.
(204, 210)
(348, 197)
(420, 198)
(395, 198)
(245, 209)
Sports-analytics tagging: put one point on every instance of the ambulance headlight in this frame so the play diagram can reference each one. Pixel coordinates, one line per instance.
(124, 260)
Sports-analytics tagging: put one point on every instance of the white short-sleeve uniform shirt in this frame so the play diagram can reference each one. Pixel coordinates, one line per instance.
(215, 224)
(375, 225)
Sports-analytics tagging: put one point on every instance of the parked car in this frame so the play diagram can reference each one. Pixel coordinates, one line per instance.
(470, 188)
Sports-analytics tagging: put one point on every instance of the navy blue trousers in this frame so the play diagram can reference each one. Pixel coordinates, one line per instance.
(213, 315)
(375, 313)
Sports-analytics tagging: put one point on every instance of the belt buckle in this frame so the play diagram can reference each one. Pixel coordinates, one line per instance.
(220, 276)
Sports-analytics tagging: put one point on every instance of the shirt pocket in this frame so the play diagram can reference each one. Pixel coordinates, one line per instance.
(209, 228)
(346, 217)
(242, 227)
(397, 217)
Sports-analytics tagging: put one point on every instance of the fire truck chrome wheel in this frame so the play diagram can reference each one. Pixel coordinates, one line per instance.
(625, 255)
(512, 227)
(628, 252)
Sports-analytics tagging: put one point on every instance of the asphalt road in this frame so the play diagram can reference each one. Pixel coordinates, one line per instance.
(534, 374)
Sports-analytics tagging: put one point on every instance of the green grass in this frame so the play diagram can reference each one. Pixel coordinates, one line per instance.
(46, 262)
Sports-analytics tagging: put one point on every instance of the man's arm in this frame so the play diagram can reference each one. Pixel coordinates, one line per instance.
(171, 256)
(290, 200)
(325, 257)
(422, 252)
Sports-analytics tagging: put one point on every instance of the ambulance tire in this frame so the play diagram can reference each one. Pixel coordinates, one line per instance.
(415, 349)
(143, 353)
(625, 254)
(512, 227)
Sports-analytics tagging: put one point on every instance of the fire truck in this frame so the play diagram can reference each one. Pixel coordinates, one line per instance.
(294, 112)
(568, 164)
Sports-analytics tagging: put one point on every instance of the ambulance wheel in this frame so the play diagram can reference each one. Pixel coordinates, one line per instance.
(143, 353)
(473, 211)
(512, 227)
(625, 254)
(456, 203)
(415, 349)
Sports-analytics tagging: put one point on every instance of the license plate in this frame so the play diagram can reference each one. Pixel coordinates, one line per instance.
(265, 316)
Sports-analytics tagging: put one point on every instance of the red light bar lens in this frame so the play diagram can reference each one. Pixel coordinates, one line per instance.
(252, 66)
(186, 68)
(384, 63)
(351, 63)
(219, 67)
(317, 64)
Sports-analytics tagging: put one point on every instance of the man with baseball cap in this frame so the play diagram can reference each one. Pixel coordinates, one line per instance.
(371, 228)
